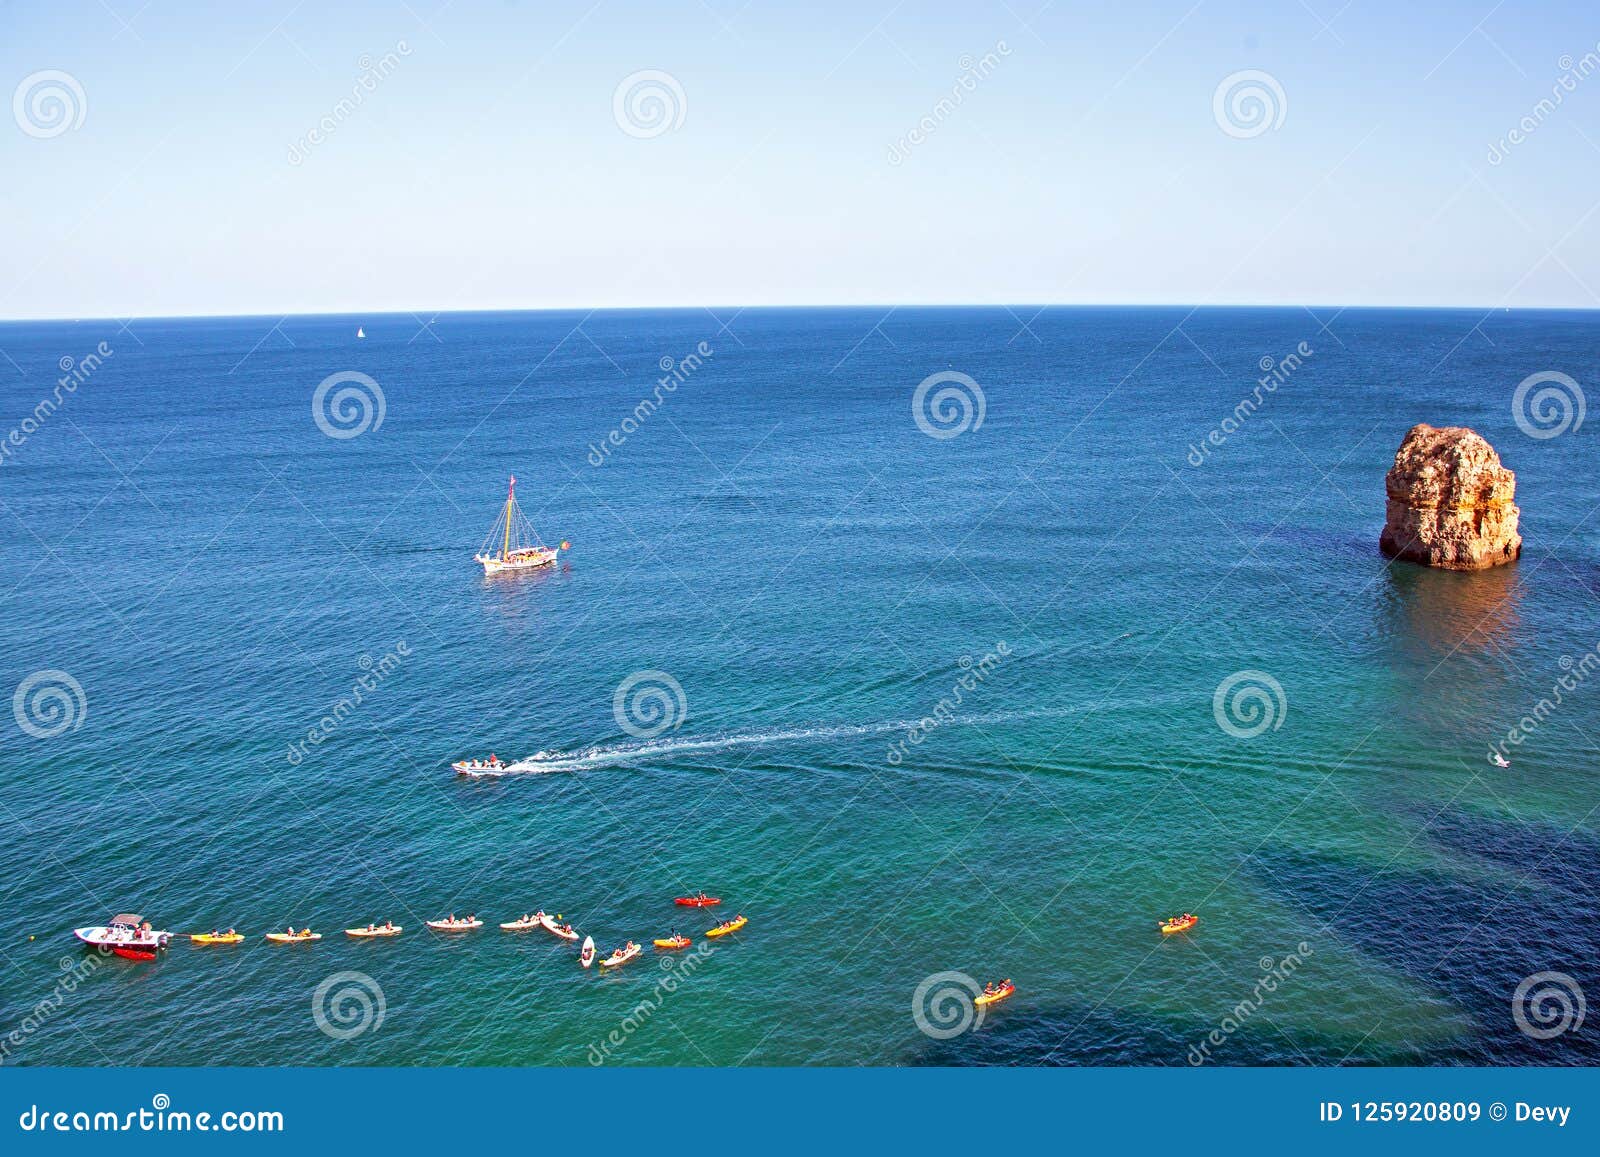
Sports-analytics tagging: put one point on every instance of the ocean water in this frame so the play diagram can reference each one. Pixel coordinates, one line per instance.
(798, 573)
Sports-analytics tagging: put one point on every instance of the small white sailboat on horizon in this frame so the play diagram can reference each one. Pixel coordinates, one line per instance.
(521, 548)
(360, 332)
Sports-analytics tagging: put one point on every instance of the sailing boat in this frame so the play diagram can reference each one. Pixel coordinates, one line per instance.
(360, 332)
(520, 547)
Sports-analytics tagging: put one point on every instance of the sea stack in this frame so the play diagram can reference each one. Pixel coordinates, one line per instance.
(1451, 503)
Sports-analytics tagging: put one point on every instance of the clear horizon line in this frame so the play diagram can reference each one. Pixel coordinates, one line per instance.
(820, 305)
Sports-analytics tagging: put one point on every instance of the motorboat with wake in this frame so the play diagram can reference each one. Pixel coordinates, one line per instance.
(494, 765)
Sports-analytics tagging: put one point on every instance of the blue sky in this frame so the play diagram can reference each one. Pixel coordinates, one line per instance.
(488, 168)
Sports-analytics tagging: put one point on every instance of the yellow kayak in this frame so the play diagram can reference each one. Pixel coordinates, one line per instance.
(731, 926)
(217, 938)
(1168, 927)
(297, 938)
(673, 943)
(996, 996)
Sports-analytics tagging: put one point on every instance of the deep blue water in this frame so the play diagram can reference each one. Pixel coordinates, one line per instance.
(813, 570)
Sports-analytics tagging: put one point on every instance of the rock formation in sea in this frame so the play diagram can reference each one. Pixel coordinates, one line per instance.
(1451, 503)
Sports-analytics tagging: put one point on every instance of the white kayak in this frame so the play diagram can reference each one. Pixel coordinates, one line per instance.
(564, 931)
(455, 925)
(525, 924)
(621, 956)
(586, 957)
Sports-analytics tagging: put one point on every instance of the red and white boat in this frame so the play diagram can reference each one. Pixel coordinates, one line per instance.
(125, 930)
(519, 546)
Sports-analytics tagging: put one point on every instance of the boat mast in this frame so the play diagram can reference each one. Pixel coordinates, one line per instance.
(511, 500)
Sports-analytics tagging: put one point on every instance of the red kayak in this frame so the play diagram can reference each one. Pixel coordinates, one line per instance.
(700, 901)
(133, 953)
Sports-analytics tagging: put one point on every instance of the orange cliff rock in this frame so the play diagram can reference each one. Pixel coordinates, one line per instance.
(1451, 503)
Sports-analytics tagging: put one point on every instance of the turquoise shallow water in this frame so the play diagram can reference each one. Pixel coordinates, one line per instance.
(813, 570)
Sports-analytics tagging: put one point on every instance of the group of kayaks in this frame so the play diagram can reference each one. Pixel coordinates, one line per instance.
(451, 924)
